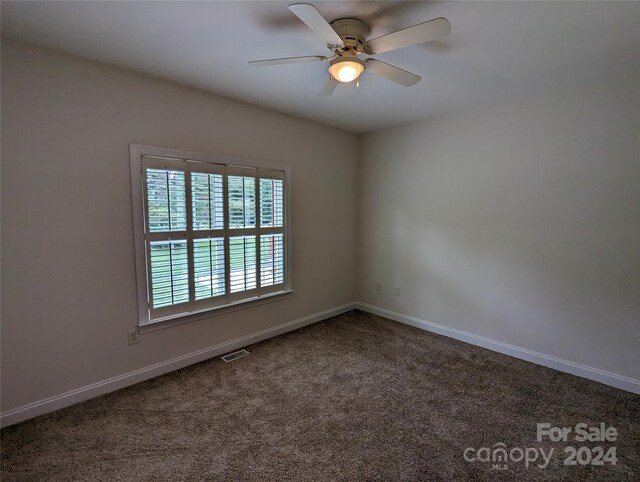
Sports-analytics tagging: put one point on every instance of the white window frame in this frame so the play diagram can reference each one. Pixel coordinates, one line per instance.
(210, 163)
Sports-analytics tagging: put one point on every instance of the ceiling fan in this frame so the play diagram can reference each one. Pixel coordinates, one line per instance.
(346, 38)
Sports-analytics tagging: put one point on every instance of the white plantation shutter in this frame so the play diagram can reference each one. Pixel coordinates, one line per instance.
(208, 256)
(272, 232)
(166, 200)
(214, 234)
(242, 263)
(166, 235)
(271, 202)
(271, 259)
(209, 268)
(207, 201)
(169, 273)
(242, 201)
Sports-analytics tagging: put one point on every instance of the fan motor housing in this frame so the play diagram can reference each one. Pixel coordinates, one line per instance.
(352, 31)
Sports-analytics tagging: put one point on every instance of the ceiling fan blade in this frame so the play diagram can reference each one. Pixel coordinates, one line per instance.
(428, 31)
(328, 87)
(392, 73)
(287, 60)
(316, 22)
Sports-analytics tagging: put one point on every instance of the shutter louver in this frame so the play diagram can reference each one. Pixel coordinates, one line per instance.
(166, 200)
(242, 263)
(271, 203)
(207, 202)
(242, 201)
(271, 259)
(169, 273)
(208, 267)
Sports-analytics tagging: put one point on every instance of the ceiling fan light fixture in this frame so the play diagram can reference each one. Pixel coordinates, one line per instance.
(346, 70)
(346, 38)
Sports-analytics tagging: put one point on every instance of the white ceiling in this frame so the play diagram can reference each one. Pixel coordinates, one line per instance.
(498, 51)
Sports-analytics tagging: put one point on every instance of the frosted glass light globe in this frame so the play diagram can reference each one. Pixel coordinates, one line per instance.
(346, 70)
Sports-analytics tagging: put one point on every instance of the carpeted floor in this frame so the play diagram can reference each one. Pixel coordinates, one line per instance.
(356, 397)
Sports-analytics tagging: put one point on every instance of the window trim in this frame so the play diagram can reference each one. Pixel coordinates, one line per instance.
(136, 153)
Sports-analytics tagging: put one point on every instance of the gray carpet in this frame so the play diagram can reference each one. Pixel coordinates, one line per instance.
(356, 397)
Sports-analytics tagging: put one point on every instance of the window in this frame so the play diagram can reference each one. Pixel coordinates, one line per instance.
(209, 233)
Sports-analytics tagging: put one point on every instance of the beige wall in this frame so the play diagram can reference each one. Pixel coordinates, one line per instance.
(518, 223)
(68, 278)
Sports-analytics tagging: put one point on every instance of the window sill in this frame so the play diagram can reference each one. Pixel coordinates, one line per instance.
(176, 320)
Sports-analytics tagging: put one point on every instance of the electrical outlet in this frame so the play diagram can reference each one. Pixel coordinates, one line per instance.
(396, 292)
(134, 337)
(379, 287)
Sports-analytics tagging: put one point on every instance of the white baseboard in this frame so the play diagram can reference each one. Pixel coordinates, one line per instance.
(121, 381)
(106, 386)
(608, 378)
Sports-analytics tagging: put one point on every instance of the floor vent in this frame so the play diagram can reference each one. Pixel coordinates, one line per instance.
(234, 356)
